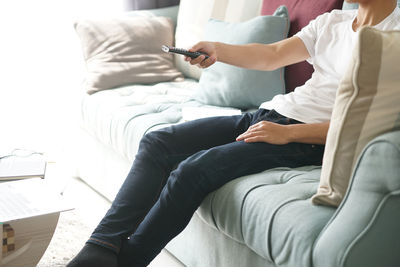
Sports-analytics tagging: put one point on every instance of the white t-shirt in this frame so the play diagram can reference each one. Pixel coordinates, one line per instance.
(330, 40)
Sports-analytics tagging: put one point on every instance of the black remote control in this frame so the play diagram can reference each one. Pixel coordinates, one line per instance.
(171, 49)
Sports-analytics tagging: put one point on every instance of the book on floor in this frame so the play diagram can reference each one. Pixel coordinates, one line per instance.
(13, 167)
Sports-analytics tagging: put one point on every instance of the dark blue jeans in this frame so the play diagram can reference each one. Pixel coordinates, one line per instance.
(174, 170)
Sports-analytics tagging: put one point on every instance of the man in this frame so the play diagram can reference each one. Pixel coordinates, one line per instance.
(176, 167)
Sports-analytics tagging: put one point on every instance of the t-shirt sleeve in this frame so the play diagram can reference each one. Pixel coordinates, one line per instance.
(309, 35)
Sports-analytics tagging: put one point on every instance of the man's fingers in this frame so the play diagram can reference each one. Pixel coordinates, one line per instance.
(262, 125)
(196, 47)
(243, 135)
(200, 61)
(197, 60)
(252, 128)
(258, 136)
(248, 134)
(255, 126)
(253, 139)
(207, 62)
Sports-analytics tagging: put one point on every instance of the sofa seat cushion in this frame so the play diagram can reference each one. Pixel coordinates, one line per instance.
(271, 213)
(120, 117)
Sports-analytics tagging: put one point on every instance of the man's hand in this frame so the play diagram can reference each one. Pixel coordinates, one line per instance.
(268, 132)
(206, 47)
(278, 134)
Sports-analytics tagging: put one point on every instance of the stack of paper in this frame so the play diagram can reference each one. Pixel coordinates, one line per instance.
(14, 167)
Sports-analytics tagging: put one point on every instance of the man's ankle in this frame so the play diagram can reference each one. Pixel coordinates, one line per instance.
(92, 255)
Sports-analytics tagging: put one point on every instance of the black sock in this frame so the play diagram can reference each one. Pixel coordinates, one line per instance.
(92, 255)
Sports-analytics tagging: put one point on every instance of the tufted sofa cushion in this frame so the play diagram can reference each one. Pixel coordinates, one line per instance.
(119, 118)
(263, 212)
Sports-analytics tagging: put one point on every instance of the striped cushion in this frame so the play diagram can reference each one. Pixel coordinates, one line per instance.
(367, 105)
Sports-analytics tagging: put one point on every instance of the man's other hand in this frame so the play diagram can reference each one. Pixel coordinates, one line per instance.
(268, 132)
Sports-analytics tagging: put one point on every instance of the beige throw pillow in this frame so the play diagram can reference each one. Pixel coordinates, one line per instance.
(121, 51)
(367, 105)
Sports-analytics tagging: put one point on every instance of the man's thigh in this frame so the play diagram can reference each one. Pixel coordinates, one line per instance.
(193, 136)
(229, 161)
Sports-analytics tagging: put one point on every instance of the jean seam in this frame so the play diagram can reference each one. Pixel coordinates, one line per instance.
(105, 243)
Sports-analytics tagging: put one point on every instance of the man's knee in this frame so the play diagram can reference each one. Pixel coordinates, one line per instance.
(192, 176)
(184, 189)
(153, 140)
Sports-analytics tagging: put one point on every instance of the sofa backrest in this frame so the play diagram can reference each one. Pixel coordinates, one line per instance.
(301, 12)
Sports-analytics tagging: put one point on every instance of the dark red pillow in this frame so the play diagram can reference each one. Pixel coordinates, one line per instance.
(301, 12)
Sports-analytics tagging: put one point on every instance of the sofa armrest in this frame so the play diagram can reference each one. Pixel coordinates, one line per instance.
(365, 228)
(169, 12)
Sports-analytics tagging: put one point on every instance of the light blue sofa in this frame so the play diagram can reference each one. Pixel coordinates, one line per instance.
(261, 220)
(267, 219)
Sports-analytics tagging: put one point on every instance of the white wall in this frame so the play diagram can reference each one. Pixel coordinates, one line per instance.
(41, 70)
